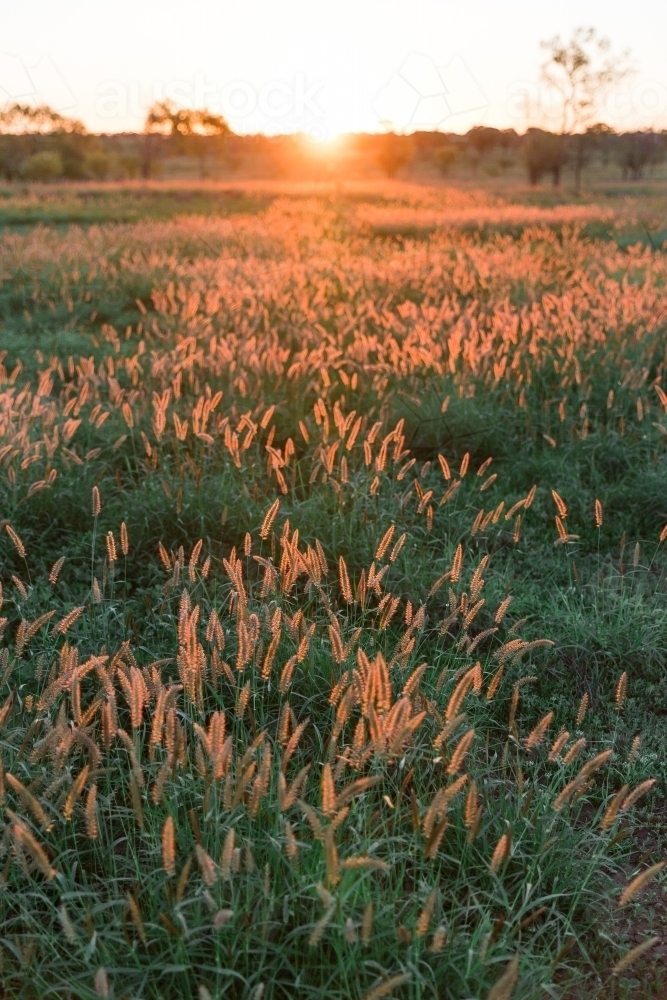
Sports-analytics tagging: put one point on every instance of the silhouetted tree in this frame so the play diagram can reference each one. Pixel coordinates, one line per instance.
(24, 131)
(582, 72)
(23, 119)
(194, 130)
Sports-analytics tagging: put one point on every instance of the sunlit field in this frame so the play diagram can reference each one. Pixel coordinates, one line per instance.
(334, 566)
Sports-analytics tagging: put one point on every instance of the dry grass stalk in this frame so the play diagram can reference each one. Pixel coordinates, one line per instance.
(101, 983)
(367, 924)
(621, 691)
(387, 987)
(631, 956)
(634, 750)
(169, 846)
(29, 801)
(460, 752)
(25, 840)
(471, 806)
(110, 542)
(558, 745)
(613, 809)
(574, 751)
(583, 708)
(501, 853)
(137, 919)
(75, 792)
(561, 506)
(639, 882)
(345, 587)
(90, 813)
(96, 502)
(54, 572)
(494, 683)
(398, 545)
(385, 542)
(291, 845)
(328, 792)
(426, 914)
(16, 541)
(504, 987)
(321, 925)
(207, 866)
(637, 793)
(226, 856)
(65, 624)
(469, 680)
(536, 736)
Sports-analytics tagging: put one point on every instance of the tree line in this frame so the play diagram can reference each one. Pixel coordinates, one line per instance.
(39, 144)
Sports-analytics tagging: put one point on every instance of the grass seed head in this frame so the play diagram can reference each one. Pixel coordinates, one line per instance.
(16, 541)
(631, 956)
(96, 502)
(500, 853)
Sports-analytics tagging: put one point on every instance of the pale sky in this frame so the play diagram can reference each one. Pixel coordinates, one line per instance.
(320, 66)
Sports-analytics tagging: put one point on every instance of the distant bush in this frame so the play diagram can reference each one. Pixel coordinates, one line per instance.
(444, 157)
(393, 152)
(44, 166)
(543, 152)
(98, 165)
(128, 165)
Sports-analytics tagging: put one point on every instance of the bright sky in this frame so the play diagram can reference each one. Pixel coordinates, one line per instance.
(321, 66)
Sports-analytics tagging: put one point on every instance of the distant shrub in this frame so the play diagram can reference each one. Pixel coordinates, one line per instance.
(543, 153)
(444, 157)
(44, 166)
(98, 165)
(128, 165)
(393, 153)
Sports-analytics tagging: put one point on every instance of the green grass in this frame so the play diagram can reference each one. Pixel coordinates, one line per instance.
(600, 599)
(23, 207)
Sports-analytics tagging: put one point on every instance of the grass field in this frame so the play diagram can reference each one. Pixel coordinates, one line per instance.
(335, 631)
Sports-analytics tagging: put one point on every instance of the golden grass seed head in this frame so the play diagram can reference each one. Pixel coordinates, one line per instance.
(633, 954)
(504, 987)
(536, 736)
(101, 983)
(621, 691)
(581, 711)
(367, 924)
(634, 750)
(96, 502)
(169, 846)
(637, 793)
(638, 883)
(16, 541)
(614, 808)
(500, 853)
